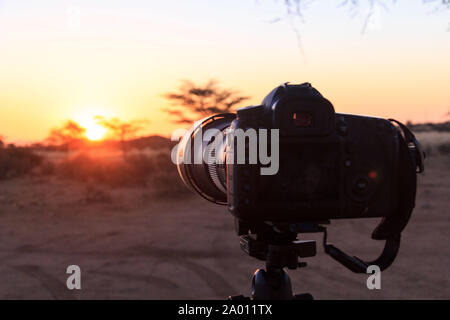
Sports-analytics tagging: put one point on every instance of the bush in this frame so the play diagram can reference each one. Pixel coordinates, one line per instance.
(16, 162)
(84, 168)
(156, 171)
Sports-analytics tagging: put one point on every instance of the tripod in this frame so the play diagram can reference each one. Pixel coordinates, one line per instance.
(273, 283)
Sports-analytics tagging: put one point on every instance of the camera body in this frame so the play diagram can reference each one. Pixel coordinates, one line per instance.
(331, 165)
(322, 165)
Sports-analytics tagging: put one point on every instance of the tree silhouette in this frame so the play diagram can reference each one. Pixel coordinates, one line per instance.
(201, 100)
(294, 12)
(294, 9)
(122, 130)
(68, 136)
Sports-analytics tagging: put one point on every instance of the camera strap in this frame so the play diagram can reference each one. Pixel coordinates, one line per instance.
(357, 265)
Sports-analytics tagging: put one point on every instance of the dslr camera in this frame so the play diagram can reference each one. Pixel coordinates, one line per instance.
(323, 165)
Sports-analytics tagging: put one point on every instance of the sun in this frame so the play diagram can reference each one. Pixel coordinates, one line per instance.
(94, 131)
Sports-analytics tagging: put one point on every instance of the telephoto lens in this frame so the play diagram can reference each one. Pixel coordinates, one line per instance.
(202, 168)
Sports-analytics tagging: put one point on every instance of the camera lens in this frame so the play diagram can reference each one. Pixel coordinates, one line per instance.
(201, 168)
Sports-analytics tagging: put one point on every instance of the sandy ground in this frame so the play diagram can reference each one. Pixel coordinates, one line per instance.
(130, 245)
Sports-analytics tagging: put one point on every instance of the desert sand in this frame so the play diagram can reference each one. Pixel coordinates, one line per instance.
(130, 244)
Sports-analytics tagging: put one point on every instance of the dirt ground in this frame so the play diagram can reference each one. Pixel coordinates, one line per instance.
(130, 245)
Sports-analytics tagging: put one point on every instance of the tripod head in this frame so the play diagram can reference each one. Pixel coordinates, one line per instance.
(279, 255)
(279, 248)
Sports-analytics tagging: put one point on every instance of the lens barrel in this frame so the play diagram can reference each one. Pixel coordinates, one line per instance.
(201, 167)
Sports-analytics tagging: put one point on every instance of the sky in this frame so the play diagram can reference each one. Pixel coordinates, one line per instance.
(64, 60)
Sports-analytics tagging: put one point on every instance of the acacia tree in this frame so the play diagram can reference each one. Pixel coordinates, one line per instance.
(201, 100)
(294, 9)
(122, 130)
(67, 136)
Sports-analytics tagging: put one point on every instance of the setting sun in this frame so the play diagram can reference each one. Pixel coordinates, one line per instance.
(94, 131)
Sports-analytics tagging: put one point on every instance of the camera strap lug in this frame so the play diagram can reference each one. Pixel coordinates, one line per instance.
(417, 153)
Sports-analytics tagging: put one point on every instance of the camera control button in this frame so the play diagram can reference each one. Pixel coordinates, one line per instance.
(348, 163)
(361, 185)
(342, 127)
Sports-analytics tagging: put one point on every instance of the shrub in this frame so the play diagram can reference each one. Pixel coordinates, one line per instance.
(155, 171)
(136, 170)
(16, 162)
(84, 168)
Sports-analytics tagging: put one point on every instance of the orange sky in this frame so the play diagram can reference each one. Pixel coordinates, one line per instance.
(72, 60)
